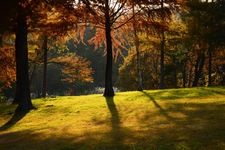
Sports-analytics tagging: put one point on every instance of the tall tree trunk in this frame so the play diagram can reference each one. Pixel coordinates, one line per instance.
(162, 54)
(196, 76)
(32, 73)
(45, 48)
(198, 68)
(162, 49)
(184, 74)
(22, 96)
(174, 72)
(190, 76)
(137, 46)
(109, 92)
(210, 66)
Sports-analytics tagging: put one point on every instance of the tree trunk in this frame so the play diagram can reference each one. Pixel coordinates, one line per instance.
(22, 96)
(184, 74)
(210, 66)
(190, 75)
(109, 92)
(32, 74)
(162, 53)
(198, 68)
(174, 73)
(196, 76)
(137, 46)
(45, 48)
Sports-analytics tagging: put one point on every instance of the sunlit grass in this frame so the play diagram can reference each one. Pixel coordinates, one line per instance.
(183, 119)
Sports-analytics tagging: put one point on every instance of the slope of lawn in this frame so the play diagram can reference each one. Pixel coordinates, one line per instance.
(176, 119)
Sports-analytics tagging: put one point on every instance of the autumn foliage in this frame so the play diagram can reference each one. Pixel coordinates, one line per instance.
(165, 43)
(74, 68)
(7, 67)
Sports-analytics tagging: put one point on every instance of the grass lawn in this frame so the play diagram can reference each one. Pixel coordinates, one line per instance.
(174, 119)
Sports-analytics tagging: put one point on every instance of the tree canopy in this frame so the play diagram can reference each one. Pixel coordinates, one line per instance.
(144, 44)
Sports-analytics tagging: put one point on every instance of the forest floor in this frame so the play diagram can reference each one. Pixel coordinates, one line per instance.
(173, 119)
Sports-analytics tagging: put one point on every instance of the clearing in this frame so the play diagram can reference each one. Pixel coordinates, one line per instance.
(176, 119)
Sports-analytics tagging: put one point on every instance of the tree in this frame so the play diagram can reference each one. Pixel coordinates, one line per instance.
(108, 73)
(7, 58)
(24, 11)
(162, 49)
(137, 46)
(207, 32)
(105, 14)
(49, 19)
(149, 63)
(22, 95)
(75, 69)
(56, 22)
(153, 17)
(45, 48)
(177, 53)
(215, 33)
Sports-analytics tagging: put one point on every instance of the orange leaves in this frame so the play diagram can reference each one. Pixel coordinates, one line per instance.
(98, 39)
(7, 66)
(75, 68)
(118, 41)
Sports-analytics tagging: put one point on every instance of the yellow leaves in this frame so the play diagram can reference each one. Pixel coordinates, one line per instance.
(53, 16)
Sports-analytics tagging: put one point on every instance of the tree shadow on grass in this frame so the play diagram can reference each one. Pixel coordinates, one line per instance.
(17, 116)
(161, 110)
(189, 125)
(201, 128)
(115, 122)
(214, 91)
(174, 94)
